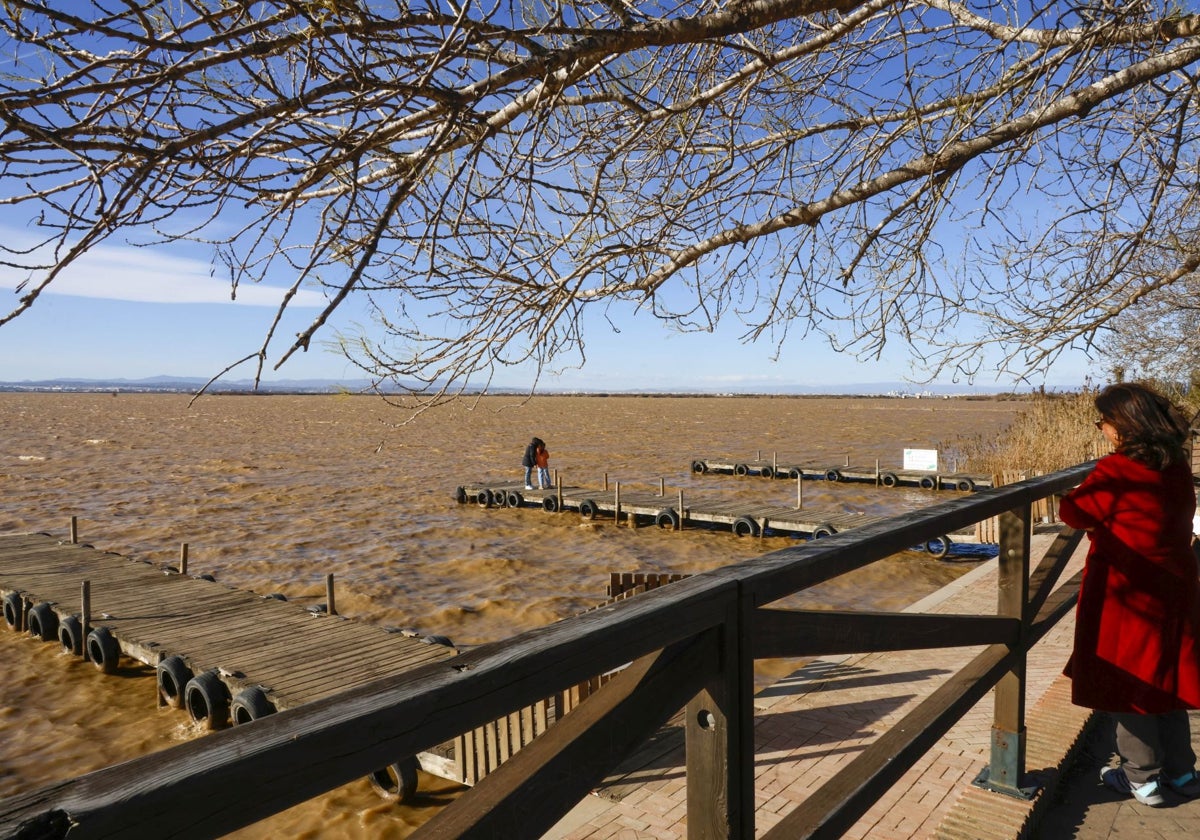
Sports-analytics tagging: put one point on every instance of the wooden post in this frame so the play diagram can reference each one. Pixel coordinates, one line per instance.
(74, 531)
(720, 736)
(758, 455)
(329, 602)
(847, 459)
(616, 502)
(183, 554)
(1008, 725)
(662, 486)
(606, 481)
(680, 509)
(800, 490)
(558, 484)
(876, 472)
(85, 618)
(774, 463)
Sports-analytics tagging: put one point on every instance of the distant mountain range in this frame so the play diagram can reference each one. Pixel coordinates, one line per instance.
(190, 385)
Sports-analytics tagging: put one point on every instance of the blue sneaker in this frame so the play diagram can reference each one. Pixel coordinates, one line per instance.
(1187, 785)
(1147, 794)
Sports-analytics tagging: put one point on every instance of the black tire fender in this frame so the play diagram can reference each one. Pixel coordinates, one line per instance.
(741, 469)
(250, 704)
(928, 482)
(794, 473)
(173, 675)
(588, 509)
(499, 498)
(939, 551)
(460, 495)
(70, 634)
(744, 526)
(767, 472)
(103, 650)
(514, 499)
(699, 467)
(833, 475)
(397, 781)
(550, 504)
(484, 498)
(889, 479)
(14, 610)
(42, 622)
(667, 518)
(207, 699)
(824, 529)
(965, 484)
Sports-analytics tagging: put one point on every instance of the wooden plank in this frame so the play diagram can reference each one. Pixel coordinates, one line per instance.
(795, 633)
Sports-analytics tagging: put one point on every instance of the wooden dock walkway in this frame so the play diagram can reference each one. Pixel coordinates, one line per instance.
(212, 645)
(827, 471)
(674, 512)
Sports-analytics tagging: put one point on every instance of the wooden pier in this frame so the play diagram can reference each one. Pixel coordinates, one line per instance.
(226, 655)
(674, 512)
(776, 468)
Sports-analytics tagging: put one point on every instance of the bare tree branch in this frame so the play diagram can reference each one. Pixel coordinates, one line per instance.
(988, 184)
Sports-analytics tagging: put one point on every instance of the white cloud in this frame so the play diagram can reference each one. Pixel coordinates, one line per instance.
(149, 275)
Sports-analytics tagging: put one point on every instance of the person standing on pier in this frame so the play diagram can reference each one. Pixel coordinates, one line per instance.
(529, 461)
(542, 458)
(1137, 622)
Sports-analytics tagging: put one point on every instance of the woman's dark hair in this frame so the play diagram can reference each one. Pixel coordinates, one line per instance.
(1150, 428)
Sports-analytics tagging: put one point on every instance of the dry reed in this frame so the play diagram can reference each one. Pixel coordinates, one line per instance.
(1052, 432)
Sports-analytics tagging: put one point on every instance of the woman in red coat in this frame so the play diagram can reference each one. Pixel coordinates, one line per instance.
(1137, 623)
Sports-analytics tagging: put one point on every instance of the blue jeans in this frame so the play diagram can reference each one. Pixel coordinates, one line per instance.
(528, 476)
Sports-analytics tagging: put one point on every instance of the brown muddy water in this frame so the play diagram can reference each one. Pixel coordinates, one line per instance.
(271, 493)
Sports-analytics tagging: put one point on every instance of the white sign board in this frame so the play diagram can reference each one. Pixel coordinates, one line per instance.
(921, 459)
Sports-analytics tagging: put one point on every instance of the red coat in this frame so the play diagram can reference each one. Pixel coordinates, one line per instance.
(1137, 624)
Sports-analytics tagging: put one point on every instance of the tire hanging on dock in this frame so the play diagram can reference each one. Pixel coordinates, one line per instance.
(588, 509)
(484, 498)
(699, 467)
(744, 526)
(794, 473)
(939, 548)
(70, 634)
(207, 699)
(741, 469)
(103, 650)
(499, 498)
(767, 472)
(823, 530)
(14, 609)
(514, 499)
(833, 475)
(928, 483)
(173, 675)
(42, 622)
(396, 781)
(965, 484)
(250, 704)
(889, 479)
(550, 504)
(667, 518)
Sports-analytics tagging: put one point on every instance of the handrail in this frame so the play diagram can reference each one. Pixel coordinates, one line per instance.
(695, 638)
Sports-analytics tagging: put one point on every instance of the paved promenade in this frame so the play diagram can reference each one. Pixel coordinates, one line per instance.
(810, 724)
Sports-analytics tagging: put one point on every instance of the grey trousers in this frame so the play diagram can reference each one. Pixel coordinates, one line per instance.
(1154, 744)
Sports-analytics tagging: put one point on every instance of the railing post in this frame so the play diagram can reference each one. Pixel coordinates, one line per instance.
(1007, 769)
(720, 737)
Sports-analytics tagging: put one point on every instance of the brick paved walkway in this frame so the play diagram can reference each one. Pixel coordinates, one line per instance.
(811, 723)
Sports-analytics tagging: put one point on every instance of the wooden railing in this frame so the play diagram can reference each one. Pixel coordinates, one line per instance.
(690, 644)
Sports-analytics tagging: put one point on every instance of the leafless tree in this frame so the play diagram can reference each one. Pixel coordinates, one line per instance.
(957, 177)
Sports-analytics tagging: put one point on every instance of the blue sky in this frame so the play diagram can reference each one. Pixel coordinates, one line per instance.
(133, 313)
